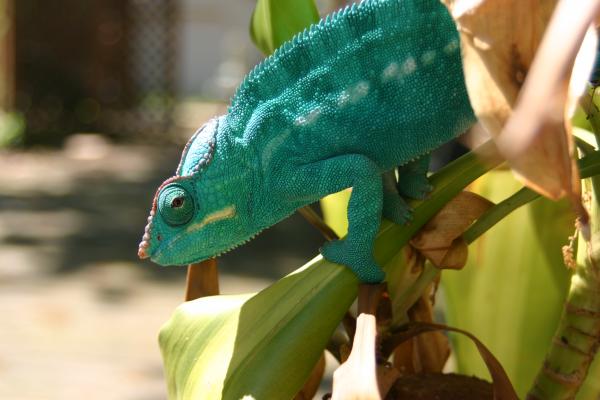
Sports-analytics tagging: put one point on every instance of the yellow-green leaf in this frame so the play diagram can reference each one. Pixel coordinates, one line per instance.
(274, 22)
(511, 291)
(335, 211)
(261, 345)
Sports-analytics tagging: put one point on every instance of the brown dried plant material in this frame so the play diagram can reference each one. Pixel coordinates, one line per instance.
(542, 117)
(427, 352)
(436, 386)
(430, 351)
(440, 239)
(499, 39)
(386, 378)
(502, 387)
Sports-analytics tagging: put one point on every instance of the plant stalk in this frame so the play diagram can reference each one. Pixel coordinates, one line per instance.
(577, 338)
(202, 280)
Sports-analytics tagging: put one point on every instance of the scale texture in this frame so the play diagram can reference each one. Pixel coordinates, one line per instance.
(372, 87)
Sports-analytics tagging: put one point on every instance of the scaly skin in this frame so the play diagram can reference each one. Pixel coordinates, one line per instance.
(374, 86)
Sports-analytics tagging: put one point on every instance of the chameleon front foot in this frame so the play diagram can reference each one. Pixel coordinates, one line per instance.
(354, 257)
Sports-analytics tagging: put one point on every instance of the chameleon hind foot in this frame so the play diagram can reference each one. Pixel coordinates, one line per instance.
(395, 207)
(412, 179)
(354, 256)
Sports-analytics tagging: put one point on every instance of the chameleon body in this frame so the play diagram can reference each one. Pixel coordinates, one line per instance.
(374, 86)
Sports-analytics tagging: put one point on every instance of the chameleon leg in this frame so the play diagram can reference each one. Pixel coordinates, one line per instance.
(412, 179)
(364, 210)
(394, 207)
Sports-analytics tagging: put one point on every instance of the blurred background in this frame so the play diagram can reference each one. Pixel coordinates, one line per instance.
(97, 98)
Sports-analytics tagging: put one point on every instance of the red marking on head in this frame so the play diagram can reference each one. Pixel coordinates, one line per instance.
(142, 253)
(162, 185)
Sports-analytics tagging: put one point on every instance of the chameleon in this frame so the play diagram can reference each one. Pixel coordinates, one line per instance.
(373, 86)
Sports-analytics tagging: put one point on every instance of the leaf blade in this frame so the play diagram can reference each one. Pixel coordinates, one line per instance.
(274, 22)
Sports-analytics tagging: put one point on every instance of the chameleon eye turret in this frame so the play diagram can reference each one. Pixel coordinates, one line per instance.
(175, 205)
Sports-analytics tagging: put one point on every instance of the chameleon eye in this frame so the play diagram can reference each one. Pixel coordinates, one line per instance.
(175, 205)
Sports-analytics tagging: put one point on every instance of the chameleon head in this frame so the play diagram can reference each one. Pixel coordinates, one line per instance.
(189, 222)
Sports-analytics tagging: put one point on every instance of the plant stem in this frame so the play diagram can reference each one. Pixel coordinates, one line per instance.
(578, 336)
(587, 103)
(202, 280)
(495, 214)
(405, 300)
(315, 220)
(447, 183)
(588, 167)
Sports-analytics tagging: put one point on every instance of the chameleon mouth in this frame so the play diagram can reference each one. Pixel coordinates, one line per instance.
(157, 256)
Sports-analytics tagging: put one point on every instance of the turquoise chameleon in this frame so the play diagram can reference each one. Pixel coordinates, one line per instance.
(374, 86)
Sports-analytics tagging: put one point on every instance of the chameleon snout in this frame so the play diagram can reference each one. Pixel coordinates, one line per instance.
(144, 245)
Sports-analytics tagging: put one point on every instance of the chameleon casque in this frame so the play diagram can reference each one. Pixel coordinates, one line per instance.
(369, 88)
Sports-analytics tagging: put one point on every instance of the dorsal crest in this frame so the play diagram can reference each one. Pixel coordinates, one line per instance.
(199, 150)
(315, 45)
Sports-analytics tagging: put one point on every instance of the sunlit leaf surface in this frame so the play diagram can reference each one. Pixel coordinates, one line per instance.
(262, 345)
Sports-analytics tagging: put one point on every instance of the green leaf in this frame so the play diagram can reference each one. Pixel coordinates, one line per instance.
(259, 345)
(510, 294)
(275, 22)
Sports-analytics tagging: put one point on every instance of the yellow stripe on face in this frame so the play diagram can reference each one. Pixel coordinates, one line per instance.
(219, 215)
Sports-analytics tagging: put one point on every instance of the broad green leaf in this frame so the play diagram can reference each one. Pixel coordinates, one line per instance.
(510, 294)
(275, 22)
(258, 345)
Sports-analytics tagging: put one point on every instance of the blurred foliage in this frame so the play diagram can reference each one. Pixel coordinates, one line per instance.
(12, 128)
(274, 22)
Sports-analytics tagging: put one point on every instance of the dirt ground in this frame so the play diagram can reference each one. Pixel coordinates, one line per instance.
(80, 313)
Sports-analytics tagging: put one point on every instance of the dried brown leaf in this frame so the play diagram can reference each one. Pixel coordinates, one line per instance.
(386, 377)
(502, 387)
(499, 40)
(424, 353)
(435, 386)
(537, 139)
(440, 239)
